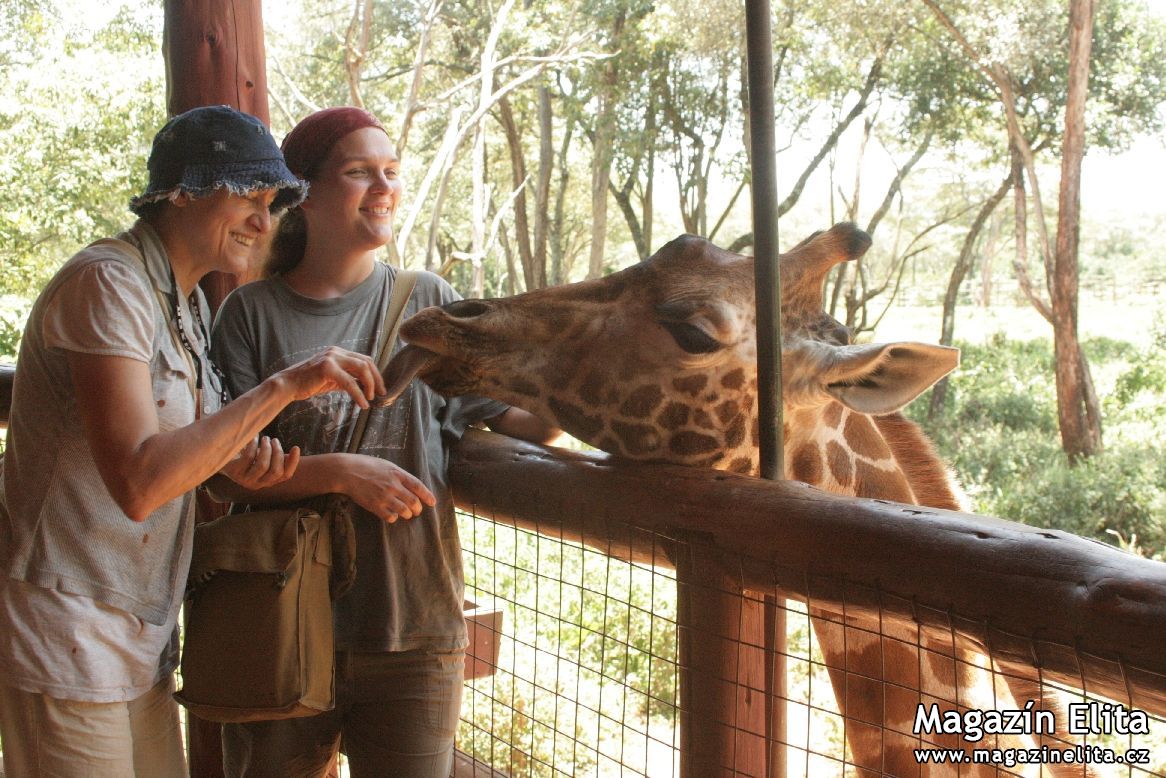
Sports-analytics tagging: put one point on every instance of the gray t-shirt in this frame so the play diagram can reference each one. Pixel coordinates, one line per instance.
(409, 586)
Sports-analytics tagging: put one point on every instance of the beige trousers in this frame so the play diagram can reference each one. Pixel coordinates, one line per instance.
(45, 737)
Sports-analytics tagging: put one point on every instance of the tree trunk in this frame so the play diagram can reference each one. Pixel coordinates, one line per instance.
(989, 255)
(356, 48)
(601, 171)
(601, 159)
(1080, 424)
(649, 212)
(546, 167)
(557, 227)
(1020, 238)
(518, 176)
(958, 273)
(413, 104)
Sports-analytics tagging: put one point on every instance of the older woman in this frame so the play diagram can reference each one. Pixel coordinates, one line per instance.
(115, 422)
(400, 632)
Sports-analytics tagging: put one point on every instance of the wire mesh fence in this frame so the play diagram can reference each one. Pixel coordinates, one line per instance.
(586, 679)
(601, 665)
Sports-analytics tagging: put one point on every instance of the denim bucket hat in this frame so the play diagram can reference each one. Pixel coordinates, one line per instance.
(217, 147)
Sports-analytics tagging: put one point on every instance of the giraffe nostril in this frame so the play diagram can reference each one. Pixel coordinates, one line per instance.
(466, 309)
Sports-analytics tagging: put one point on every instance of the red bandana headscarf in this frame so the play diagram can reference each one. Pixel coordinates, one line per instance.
(309, 142)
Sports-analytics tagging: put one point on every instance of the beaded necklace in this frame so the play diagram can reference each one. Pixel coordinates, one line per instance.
(176, 312)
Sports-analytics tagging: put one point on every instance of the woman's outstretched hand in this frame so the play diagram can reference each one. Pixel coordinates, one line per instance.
(334, 369)
(384, 489)
(262, 463)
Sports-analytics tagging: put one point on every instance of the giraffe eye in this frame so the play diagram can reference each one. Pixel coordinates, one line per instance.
(691, 338)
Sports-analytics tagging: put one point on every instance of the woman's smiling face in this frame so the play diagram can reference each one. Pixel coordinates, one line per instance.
(355, 195)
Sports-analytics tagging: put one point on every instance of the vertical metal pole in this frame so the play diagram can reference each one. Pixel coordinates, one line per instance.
(764, 155)
(759, 37)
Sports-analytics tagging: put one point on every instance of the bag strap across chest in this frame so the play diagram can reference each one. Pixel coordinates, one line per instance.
(390, 325)
(343, 533)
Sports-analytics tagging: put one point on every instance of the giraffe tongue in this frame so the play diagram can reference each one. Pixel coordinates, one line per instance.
(400, 371)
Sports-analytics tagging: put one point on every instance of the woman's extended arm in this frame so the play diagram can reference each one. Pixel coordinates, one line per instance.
(524, 425)
(380, 487)
(144, 467)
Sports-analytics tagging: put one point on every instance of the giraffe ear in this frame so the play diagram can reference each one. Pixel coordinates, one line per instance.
(881, 378)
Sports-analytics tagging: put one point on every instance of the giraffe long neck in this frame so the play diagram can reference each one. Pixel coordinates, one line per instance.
(844, 452)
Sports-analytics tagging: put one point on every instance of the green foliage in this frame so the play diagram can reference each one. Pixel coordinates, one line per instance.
(76, 127)
(13, 313)
(999, 433)
(1140, 387)
(1127, 66)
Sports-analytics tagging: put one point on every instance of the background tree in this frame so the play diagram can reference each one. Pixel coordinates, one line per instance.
(75, 125)
(1043, 97)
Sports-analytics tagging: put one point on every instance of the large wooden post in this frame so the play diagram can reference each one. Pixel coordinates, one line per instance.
(214, 56)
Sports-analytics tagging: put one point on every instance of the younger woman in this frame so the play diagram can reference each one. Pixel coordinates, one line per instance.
(401, 636)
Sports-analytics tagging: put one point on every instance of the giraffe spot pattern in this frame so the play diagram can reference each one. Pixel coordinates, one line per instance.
(806, 464)
(832, 416)
(674, 416)
(573, 419)
(838, 460)
(863, 439)
(727, 410)
(702, 419)
(638, 439)
(742, 465)
(733, 379)
(524, 387)
(688, 443)
(641, 402)
(591, 390)
(692, 384)
(558, 374)
(870, 481)
(735, 434)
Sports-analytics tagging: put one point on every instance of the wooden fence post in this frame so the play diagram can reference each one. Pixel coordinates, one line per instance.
(722, 673)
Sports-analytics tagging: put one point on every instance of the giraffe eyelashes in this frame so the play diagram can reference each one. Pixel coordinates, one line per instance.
(691, 338)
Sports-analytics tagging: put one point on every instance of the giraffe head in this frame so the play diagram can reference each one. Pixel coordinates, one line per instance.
(659, 361)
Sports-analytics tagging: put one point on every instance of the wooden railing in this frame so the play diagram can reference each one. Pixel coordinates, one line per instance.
(1045, 605)
(1025, 591)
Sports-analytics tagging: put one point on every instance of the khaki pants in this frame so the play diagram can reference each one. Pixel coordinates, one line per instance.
(44, 737)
